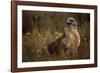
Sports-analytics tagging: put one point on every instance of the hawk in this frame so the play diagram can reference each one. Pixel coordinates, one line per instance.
(70, 40)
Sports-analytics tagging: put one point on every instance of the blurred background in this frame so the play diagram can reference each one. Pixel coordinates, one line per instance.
(41, 28)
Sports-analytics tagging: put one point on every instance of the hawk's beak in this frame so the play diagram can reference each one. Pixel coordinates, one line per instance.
(69, 23)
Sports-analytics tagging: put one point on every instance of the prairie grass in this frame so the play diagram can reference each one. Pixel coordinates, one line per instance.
(42, 28)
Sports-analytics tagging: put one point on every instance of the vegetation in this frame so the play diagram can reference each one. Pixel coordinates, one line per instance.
(42, 28)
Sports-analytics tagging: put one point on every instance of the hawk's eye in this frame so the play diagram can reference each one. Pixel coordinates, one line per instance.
(71, 20)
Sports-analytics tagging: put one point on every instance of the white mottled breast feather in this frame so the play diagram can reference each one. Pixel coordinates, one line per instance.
(72, 38)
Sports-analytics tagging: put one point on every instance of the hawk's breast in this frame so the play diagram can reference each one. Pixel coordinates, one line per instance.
(72, 39)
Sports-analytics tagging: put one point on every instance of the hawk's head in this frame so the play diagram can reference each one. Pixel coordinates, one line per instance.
(71, 23)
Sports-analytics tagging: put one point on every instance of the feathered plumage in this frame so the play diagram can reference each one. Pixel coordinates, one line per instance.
(68, 42)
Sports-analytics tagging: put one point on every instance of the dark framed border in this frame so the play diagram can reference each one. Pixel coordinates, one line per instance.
(14, 35)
